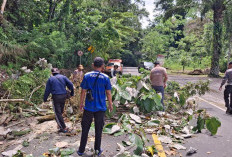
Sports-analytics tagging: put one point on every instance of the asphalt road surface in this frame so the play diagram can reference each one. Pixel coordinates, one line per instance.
(130, 70)
(212, 146)
(207, 145)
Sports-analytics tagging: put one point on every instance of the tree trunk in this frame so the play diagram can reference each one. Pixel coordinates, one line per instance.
(52, 8)
(3, 6)
(218, 9)
(230, 49)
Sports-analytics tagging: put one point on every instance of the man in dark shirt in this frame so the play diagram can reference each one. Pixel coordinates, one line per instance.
(56, 85)
(228, 88)
(100, 86)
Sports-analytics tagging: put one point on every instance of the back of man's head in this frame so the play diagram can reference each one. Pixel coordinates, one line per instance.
(156, 63)
(55, 71)
(98, 62)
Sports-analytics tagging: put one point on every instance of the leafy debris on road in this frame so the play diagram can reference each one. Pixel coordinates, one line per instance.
(191, 151)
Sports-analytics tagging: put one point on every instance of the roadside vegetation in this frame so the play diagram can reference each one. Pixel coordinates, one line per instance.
(192, 35)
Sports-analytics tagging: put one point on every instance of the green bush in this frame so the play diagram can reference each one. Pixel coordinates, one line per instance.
(23, 87)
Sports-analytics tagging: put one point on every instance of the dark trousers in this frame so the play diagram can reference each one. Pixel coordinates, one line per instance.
(160, 89)
(86, 123)
(58, 107)
(227, 94)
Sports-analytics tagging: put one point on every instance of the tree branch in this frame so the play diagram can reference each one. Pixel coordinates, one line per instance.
(3, 6)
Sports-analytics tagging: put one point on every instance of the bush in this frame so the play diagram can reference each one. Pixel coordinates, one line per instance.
(29, 86)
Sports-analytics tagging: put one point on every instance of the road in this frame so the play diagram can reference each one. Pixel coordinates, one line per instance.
(207, 145)
(130, 70)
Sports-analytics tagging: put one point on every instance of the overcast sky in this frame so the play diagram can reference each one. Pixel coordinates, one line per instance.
(149, 5)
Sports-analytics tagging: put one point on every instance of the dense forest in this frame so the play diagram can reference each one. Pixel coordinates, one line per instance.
(189, 33)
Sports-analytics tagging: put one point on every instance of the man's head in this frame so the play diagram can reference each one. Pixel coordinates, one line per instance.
(55, 71)
(230, 65)
(80, 67)
(98, 63)
(156, 63)
(115, 66)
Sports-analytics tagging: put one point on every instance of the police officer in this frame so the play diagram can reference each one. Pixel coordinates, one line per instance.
(228, 88)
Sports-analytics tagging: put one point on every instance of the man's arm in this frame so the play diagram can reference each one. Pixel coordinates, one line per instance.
(225, 78)
(83, 93)
(150, 75)
(69, 85)
(109, 98)
(47, 91)
(165, 79)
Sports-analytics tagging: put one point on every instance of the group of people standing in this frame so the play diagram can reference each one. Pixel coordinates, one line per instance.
(94, 84)
(95, 87)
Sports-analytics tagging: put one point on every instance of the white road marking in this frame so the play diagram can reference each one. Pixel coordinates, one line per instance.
(212, 104)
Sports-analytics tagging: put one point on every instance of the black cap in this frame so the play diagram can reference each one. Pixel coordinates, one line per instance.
(156, 62)
(230, 63)
(98, 62)
(55, 71)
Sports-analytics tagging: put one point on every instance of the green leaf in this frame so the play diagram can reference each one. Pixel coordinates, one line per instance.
(212, 124)
(200, 124)
(199, 111)
(25, 143)
(182, 99)
(138, 150)
(126, 95)
(121, 132)
(148, 105)
(67, 152)
(122, 101)
(111, 114)
(107, 128)
(135, 139)
(126, 143)
(153, 122)
(55, 151)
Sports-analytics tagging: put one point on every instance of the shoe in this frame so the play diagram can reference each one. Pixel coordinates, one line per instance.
(79, 153)
(228, 111)
(98, 152)
(64, 131)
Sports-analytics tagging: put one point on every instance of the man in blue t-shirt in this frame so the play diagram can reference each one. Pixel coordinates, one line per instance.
(100, 87)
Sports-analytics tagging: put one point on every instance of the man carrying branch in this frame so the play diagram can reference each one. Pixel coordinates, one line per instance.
(95, 87)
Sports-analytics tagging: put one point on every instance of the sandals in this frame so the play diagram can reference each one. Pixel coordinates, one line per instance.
(66, 130)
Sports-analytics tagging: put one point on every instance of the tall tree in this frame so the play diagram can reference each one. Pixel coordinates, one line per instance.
(218, 7)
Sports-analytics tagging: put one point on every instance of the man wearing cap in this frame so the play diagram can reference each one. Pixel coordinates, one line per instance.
(228, 88)
(95, 105)
(76, 79)
(159, 77)
(78, 75)
(56, 85)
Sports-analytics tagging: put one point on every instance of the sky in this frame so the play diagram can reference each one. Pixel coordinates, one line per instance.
(149, 5)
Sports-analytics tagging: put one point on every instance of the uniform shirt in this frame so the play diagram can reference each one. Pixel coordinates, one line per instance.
(98, 91)
(227, 77)
(157, 76)
(57, 87)
(77, 75)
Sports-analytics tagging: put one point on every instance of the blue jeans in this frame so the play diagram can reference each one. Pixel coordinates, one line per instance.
(160, 89)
